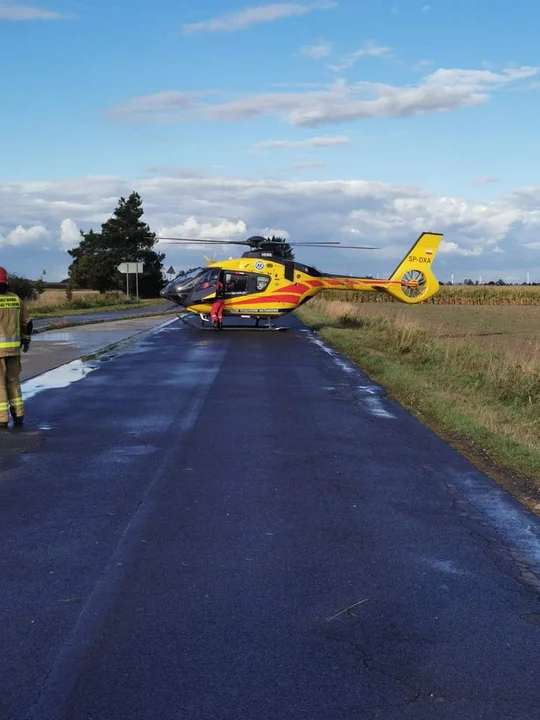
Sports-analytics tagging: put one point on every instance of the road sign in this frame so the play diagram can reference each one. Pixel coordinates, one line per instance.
(131, 268)
(171, 271)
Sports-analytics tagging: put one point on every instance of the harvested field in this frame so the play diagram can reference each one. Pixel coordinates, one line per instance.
(58, 297)
(508, 329)
(55, 302)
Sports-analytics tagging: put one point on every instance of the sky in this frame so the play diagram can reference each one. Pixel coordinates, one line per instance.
(359, 121)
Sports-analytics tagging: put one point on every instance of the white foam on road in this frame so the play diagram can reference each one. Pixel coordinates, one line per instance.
(373, 402)
(518, 527)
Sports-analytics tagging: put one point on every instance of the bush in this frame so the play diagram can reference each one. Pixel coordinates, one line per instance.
(40, 286)
(24, 288)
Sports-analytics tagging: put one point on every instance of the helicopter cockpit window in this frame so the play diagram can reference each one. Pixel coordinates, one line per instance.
(262, 282)
(208, 279)
(189, 275)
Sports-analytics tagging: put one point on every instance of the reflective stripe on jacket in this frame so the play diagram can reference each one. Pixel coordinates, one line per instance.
(13, 324)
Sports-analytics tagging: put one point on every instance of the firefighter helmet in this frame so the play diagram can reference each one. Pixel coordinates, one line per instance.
(3, 276)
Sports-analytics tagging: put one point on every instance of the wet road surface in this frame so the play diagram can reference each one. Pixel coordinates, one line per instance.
(104, 315)
(52, 348)
(193, 516)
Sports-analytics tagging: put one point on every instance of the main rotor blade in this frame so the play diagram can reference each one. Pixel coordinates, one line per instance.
(356, 247)
(244, 242)
(321, 244)
(172, 241)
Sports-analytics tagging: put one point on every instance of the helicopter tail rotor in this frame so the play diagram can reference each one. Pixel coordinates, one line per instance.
(413, 280)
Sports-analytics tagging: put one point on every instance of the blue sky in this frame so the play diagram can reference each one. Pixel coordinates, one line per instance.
(351, 120)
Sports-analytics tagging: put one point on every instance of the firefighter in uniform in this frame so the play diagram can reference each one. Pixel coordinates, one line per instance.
(15, 332)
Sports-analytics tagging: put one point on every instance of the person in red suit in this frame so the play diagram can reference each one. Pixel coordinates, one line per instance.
(216, 313)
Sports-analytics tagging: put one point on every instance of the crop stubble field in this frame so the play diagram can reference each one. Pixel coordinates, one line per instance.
(55, 302)
(467, 363)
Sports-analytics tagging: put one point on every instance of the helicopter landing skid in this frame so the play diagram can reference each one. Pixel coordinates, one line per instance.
(206, 325)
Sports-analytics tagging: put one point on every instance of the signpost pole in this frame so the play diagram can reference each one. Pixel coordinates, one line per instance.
(127, 268)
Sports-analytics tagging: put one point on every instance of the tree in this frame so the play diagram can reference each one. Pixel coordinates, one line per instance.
(123, 238)
(95, 263)
(288, 252)
(40, 284)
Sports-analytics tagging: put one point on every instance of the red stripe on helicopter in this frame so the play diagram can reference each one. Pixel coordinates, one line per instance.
(297, 288)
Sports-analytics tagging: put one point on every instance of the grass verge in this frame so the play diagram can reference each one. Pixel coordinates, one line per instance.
(87, 306)
(480, 402)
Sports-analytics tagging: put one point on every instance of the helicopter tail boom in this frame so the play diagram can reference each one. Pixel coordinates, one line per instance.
(411, 282)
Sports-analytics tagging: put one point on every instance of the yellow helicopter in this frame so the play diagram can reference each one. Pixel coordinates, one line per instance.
(263, 284)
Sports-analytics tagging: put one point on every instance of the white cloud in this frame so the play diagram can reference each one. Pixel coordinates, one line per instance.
(452, 248)
(389, 215)
(309, 142)
(443, 90)
(368, 49)
(24, 236)
(69, 234)
(192, 228)
(12, 11)
(316, 52)
(485, 180)
(250, 16)
(164, 101)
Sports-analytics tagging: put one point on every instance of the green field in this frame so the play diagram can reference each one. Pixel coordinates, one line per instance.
(471, 372)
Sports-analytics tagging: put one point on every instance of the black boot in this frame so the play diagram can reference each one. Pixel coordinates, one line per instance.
(17, 419)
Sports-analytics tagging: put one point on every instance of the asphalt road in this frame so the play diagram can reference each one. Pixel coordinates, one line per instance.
(189, 520)
(104, 315)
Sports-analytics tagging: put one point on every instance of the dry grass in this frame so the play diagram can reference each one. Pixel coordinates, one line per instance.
(513, 331)
(58, 297)
(54, 302)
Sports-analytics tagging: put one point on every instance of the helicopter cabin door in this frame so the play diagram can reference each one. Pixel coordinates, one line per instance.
(206, 288)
